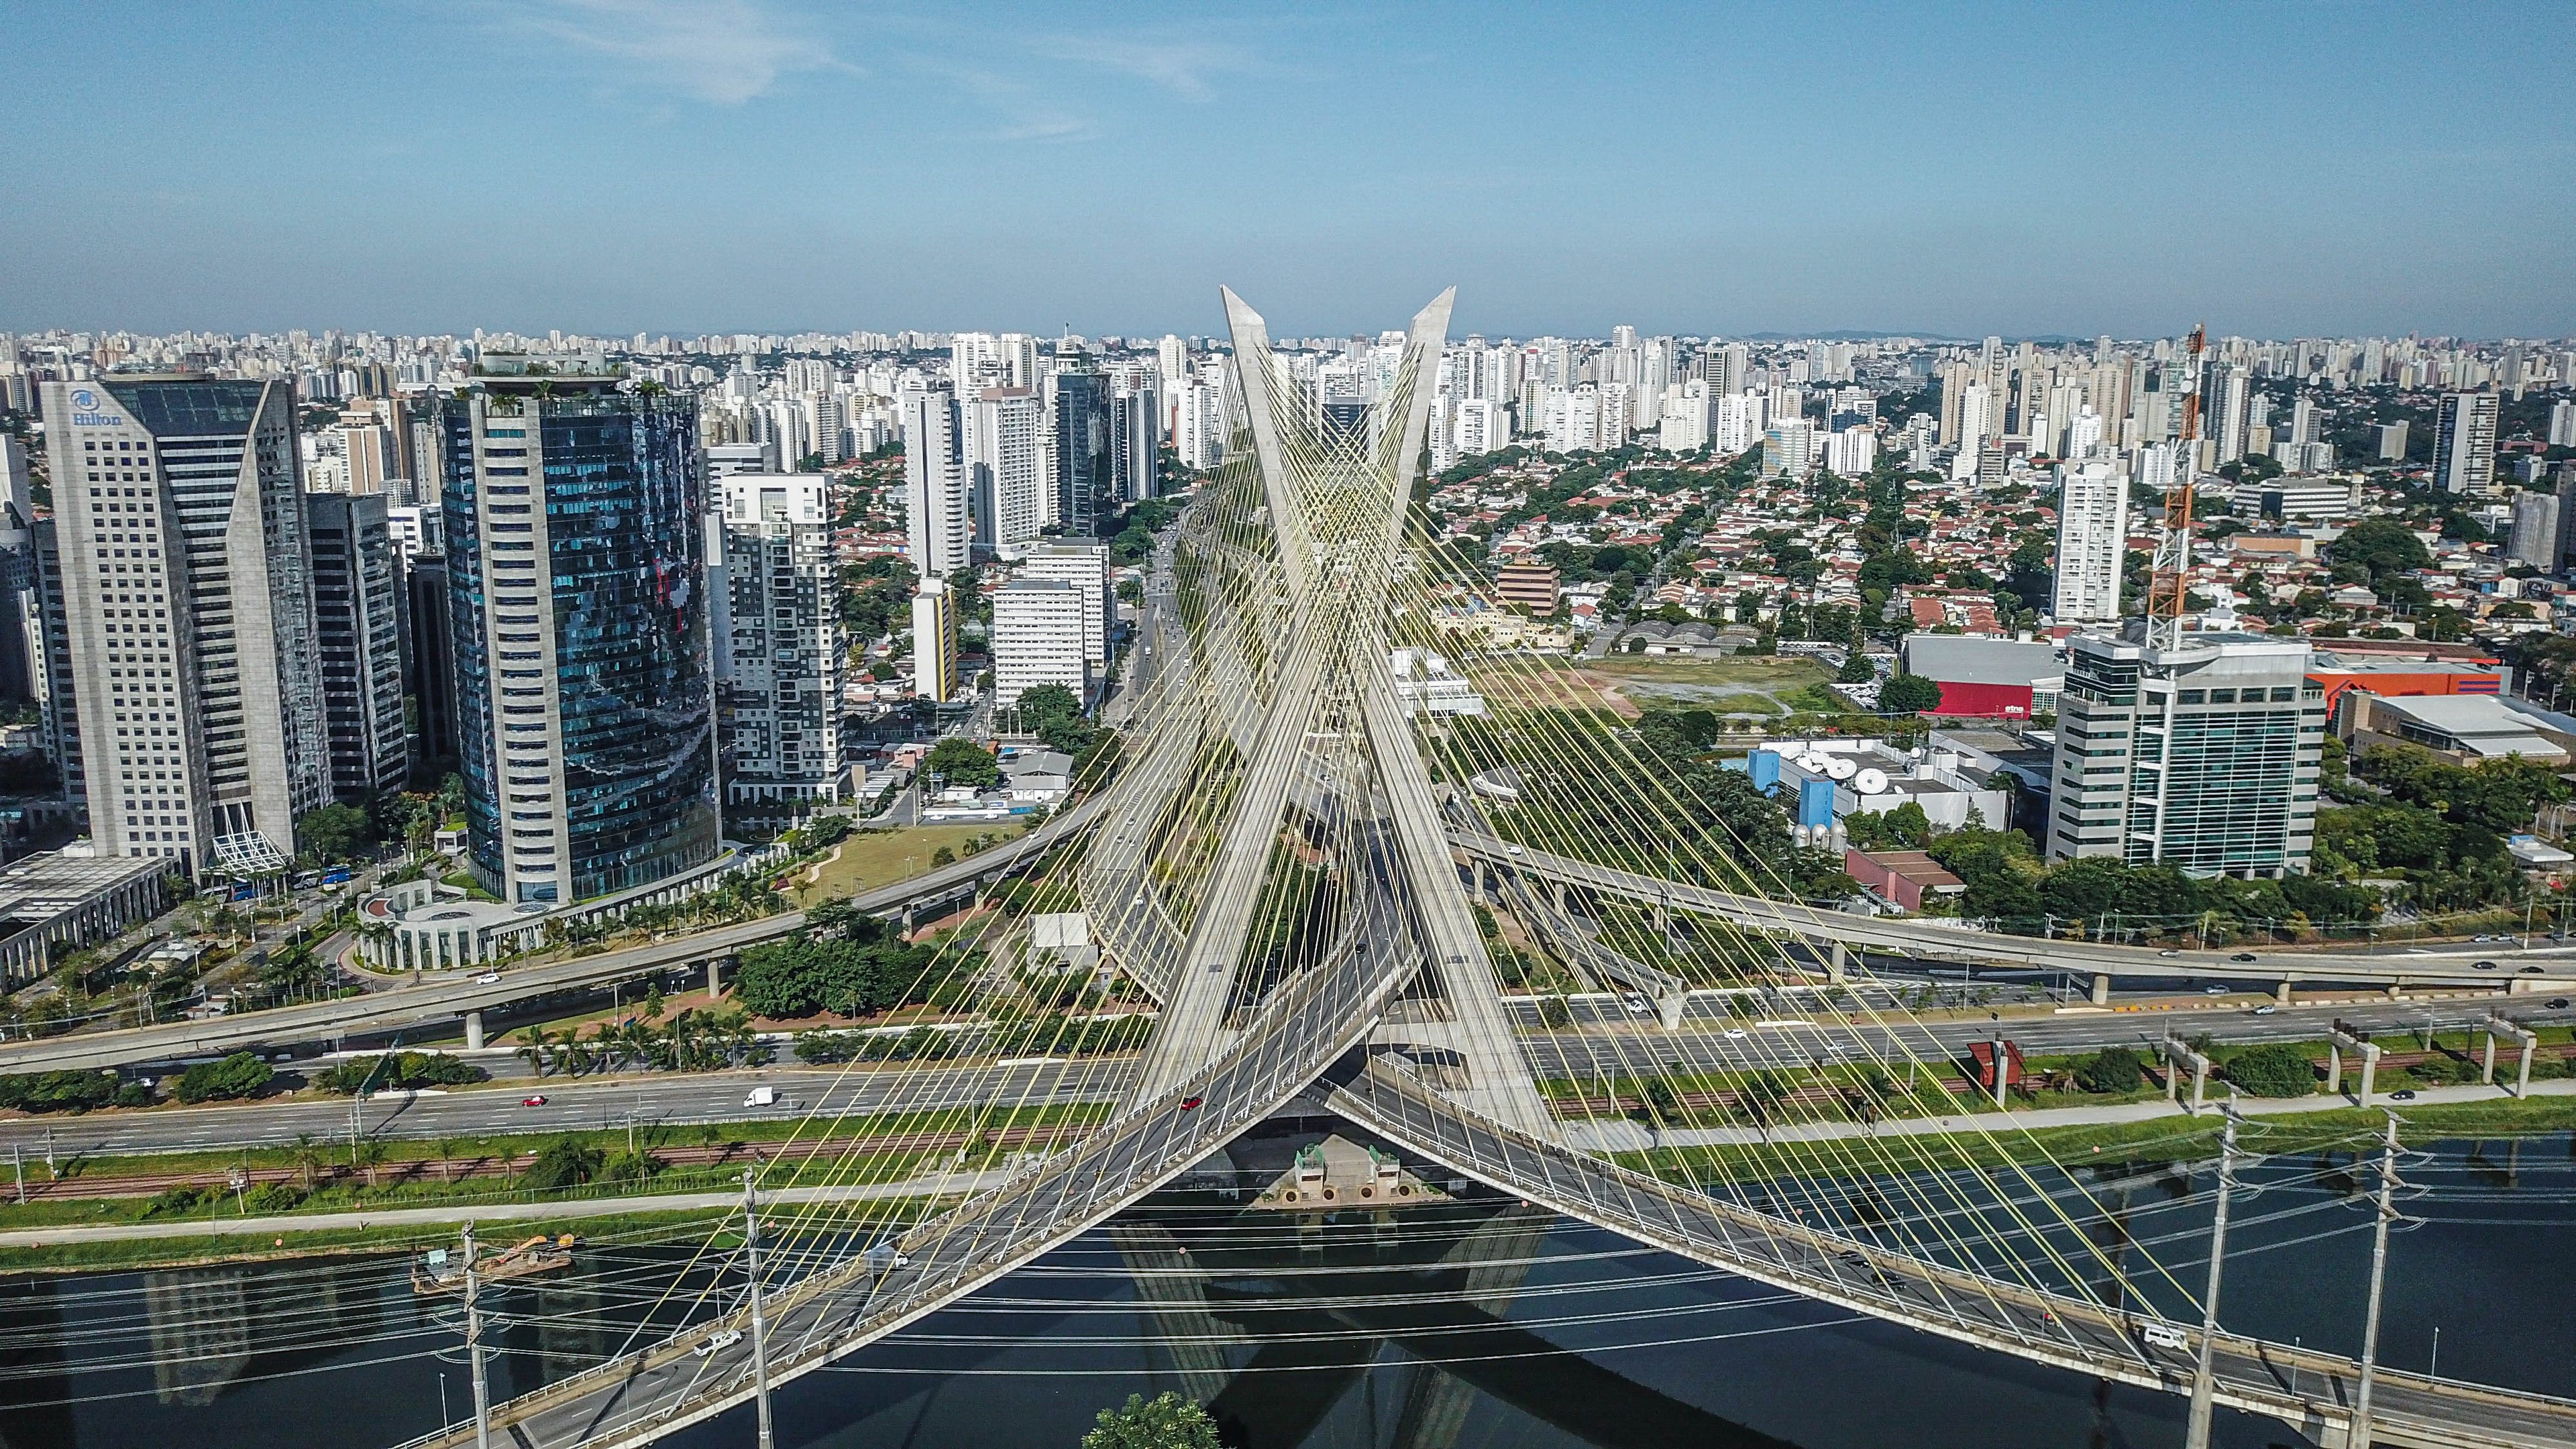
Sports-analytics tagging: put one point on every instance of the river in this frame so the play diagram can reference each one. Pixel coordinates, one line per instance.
(1475, 1323)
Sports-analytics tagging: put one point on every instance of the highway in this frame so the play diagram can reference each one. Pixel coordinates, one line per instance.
(1919, 937)
(446, 999)
(590, 1103)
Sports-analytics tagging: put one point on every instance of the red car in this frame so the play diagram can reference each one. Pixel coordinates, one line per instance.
(1189, 1102)
(532, 1101)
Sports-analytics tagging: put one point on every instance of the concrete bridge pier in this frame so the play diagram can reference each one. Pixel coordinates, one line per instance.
(715, 976)
(2281, 993)
(2101, 990)
(1838, 963)
(474, 1032)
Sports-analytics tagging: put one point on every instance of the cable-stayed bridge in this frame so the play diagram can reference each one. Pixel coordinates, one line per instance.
(1276, 870)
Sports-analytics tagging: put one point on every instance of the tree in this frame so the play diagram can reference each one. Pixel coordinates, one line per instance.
(2111, 1070)
(2280, 1069)
(961, 761)
(335, 832)
(1856, 669)
(238, 1075)
(2376, 548)
(1909, 694)
(564, 1162)
(1169, 1422)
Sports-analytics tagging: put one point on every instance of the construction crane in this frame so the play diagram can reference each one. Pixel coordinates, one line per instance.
(2167, 588)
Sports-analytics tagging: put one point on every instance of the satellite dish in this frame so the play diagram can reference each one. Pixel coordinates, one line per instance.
(1870, 782)
(1841, 767)
(1812, 764)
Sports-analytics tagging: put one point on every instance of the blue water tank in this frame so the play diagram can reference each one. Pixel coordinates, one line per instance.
(1815, 802)
(1764, 767)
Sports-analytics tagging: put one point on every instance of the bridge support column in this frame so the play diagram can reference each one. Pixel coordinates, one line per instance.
(2486, 1062)
(2101, 991)
(2396, 990)
(2281, 993)
(474, 1033)
(2334, 1069)
(715, 976)
(2369, 1071)
(1837, 963)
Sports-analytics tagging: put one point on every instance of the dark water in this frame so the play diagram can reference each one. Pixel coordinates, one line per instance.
(1479, 1323)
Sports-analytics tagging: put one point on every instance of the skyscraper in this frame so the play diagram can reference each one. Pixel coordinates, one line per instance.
(2092, 520)
(778, 645)
(1086, 487)
(358, 608)
(585, 698)
(2464, 443)
(186, 592)
(2203, 756)
(1136, 442)
(935, 508)
(1086, 567)
(1040, 629)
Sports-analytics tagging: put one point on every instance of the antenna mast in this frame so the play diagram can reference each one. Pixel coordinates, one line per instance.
(2166, 587)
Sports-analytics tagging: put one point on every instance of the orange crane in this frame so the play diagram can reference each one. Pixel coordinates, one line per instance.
(2166, 588)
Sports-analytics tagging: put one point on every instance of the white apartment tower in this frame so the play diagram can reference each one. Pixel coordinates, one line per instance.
(1086, 567)
(2092, 521)
(187, 603)
(1040, 631)
(1006, 466)
(778, 644)
(936, 513)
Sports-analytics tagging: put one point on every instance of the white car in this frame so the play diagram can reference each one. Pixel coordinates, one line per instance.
(727, 1339)
(2213, 991)
(1735, 1033)
(488, 978)
(1512, 850)
(1635, 1004)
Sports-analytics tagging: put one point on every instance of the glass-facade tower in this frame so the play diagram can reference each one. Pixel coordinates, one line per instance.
(577, 579)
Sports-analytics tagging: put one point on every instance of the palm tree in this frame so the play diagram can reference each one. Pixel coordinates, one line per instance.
(447, 1148)
(309, 1158)
(366, 1154)
(537, 1049)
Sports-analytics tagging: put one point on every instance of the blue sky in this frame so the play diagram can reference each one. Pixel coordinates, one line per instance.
(614, 165)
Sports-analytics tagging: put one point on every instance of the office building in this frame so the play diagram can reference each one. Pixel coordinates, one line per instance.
(1136, 443)
(937, 516)
(1531, 586)
(1789, 449)
(578, 594)
(1086, 567)
(1086, 487)
(53, 666)
(429, 668)
(358, 608)
(2464, 443)
(186, 594)
(2092, 525)
(1005, 453)
(934, 643)
(1040, 631)
(2202, 756)
(778, 647)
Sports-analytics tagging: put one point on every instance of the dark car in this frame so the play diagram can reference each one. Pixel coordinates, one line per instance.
(2243, 958)
(2483, 966)
(2402, 1094)
(2530, 970)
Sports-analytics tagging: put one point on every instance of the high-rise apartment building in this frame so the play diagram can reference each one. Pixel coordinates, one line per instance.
(2202, 756)
(1198, 427)
(934, 643)
(778, 647)
(1040, 633)
(358, 608)
(2392, 442)
(1136, 442)
(186, 593)
(2464, 442)
(2536, 530)
(2562, 422)
(1085, 566)
(2092, 521)
(937, 516)
(585, 696)
(1005, 456)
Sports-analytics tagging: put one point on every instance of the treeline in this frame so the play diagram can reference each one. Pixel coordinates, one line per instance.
(1042, 1035)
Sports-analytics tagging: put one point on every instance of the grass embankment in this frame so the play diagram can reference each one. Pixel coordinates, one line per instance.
(2091, 1146)
(713, 1225)
(873, 858)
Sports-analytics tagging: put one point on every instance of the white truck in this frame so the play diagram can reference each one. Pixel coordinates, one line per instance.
(761, 1097)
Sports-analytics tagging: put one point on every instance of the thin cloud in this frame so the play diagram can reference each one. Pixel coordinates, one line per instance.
(722, 51)
(1185, 68)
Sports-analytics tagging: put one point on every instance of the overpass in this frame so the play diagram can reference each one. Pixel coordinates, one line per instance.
(1919, 936)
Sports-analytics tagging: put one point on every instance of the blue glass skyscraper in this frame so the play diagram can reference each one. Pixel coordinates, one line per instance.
(584, 692)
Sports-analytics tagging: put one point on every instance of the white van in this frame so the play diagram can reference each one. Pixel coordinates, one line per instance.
(2165, 1335)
